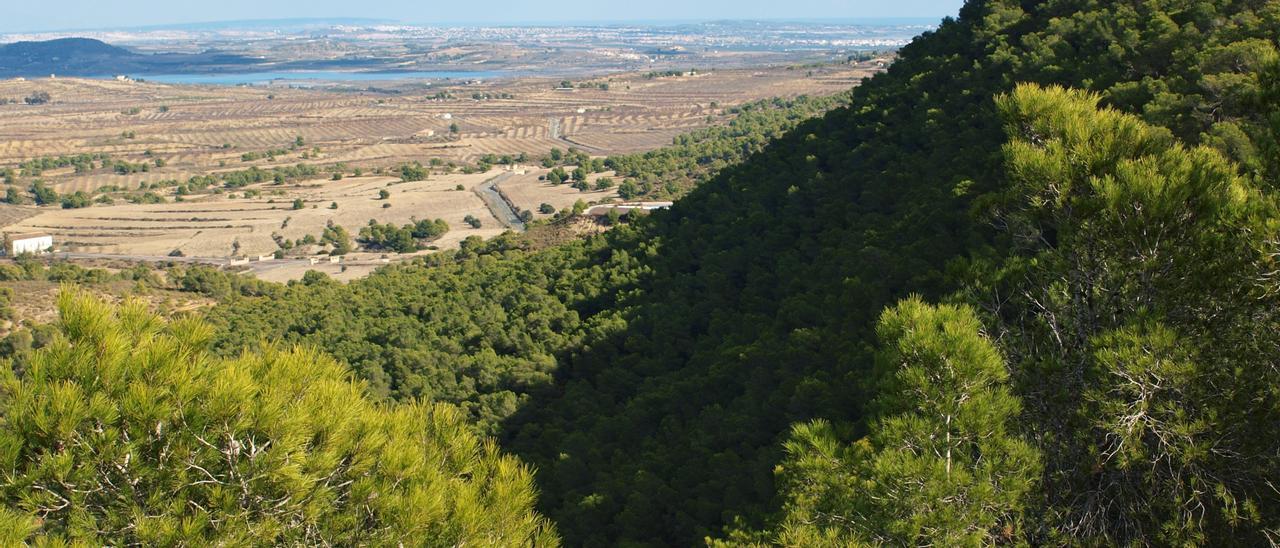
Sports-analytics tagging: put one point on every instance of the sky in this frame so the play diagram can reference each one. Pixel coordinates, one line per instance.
(26, 16)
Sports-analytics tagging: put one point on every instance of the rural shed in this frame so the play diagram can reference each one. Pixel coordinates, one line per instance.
(28, 243)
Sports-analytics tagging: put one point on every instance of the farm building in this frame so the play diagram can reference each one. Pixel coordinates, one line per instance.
(28, 243)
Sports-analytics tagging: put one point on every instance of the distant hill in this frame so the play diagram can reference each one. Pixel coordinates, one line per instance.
(64, 56)
(89, 57)
(52, 49)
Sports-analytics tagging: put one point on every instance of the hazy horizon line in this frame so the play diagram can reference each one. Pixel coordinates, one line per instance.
(301, 21)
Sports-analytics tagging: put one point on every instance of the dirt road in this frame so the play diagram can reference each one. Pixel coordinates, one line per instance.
(488, 191)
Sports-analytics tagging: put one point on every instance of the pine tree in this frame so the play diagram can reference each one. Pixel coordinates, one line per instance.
(1141, 317)
(940, 466)
(125, 431)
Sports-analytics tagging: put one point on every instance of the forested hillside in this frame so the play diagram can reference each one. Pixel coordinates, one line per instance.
(481, 328)
(671, 172)
(1085, 354)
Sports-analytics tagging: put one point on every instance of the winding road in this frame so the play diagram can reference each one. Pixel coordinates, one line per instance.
(503, 210)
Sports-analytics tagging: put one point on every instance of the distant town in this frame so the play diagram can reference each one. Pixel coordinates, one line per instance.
(377, 46)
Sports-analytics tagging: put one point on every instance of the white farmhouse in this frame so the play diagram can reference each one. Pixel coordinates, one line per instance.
(29, 243)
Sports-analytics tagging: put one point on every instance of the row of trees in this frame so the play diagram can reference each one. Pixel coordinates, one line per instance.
(81, 162)
(42, 194)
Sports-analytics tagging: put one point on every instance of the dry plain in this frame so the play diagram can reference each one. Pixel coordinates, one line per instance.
(203, 130)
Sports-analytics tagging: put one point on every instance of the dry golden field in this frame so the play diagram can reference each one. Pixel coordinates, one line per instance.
(528, 193)
(371, 129)
(210, 226)
(199, 130)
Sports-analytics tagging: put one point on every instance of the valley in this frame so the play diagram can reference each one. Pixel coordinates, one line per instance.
(148, 140)
(739, 284)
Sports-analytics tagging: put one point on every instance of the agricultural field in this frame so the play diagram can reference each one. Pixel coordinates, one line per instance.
(528, 193)
(212, 226)
(143, 141)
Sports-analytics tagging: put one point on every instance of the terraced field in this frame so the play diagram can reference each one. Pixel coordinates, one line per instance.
(189, 126)
(211, 225)
(177, 132)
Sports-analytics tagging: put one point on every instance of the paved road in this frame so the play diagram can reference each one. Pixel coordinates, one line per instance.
(505, 213)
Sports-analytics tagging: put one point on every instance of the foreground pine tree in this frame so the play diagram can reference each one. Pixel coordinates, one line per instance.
(1140, 315)
(125, 431)
(940, 466)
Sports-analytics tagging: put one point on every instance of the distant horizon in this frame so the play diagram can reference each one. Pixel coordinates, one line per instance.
(373, 21)
(92, 15)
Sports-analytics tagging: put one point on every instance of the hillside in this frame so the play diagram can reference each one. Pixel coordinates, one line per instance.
(687, 347)
(61, 49)
(90, 57)
(64, 56)
(754, 303)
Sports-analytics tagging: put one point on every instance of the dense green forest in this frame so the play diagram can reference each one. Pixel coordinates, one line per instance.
(724, 369)
(479, 327)
(1021, 289)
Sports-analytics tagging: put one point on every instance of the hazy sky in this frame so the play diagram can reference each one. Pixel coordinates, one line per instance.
(25, 15)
